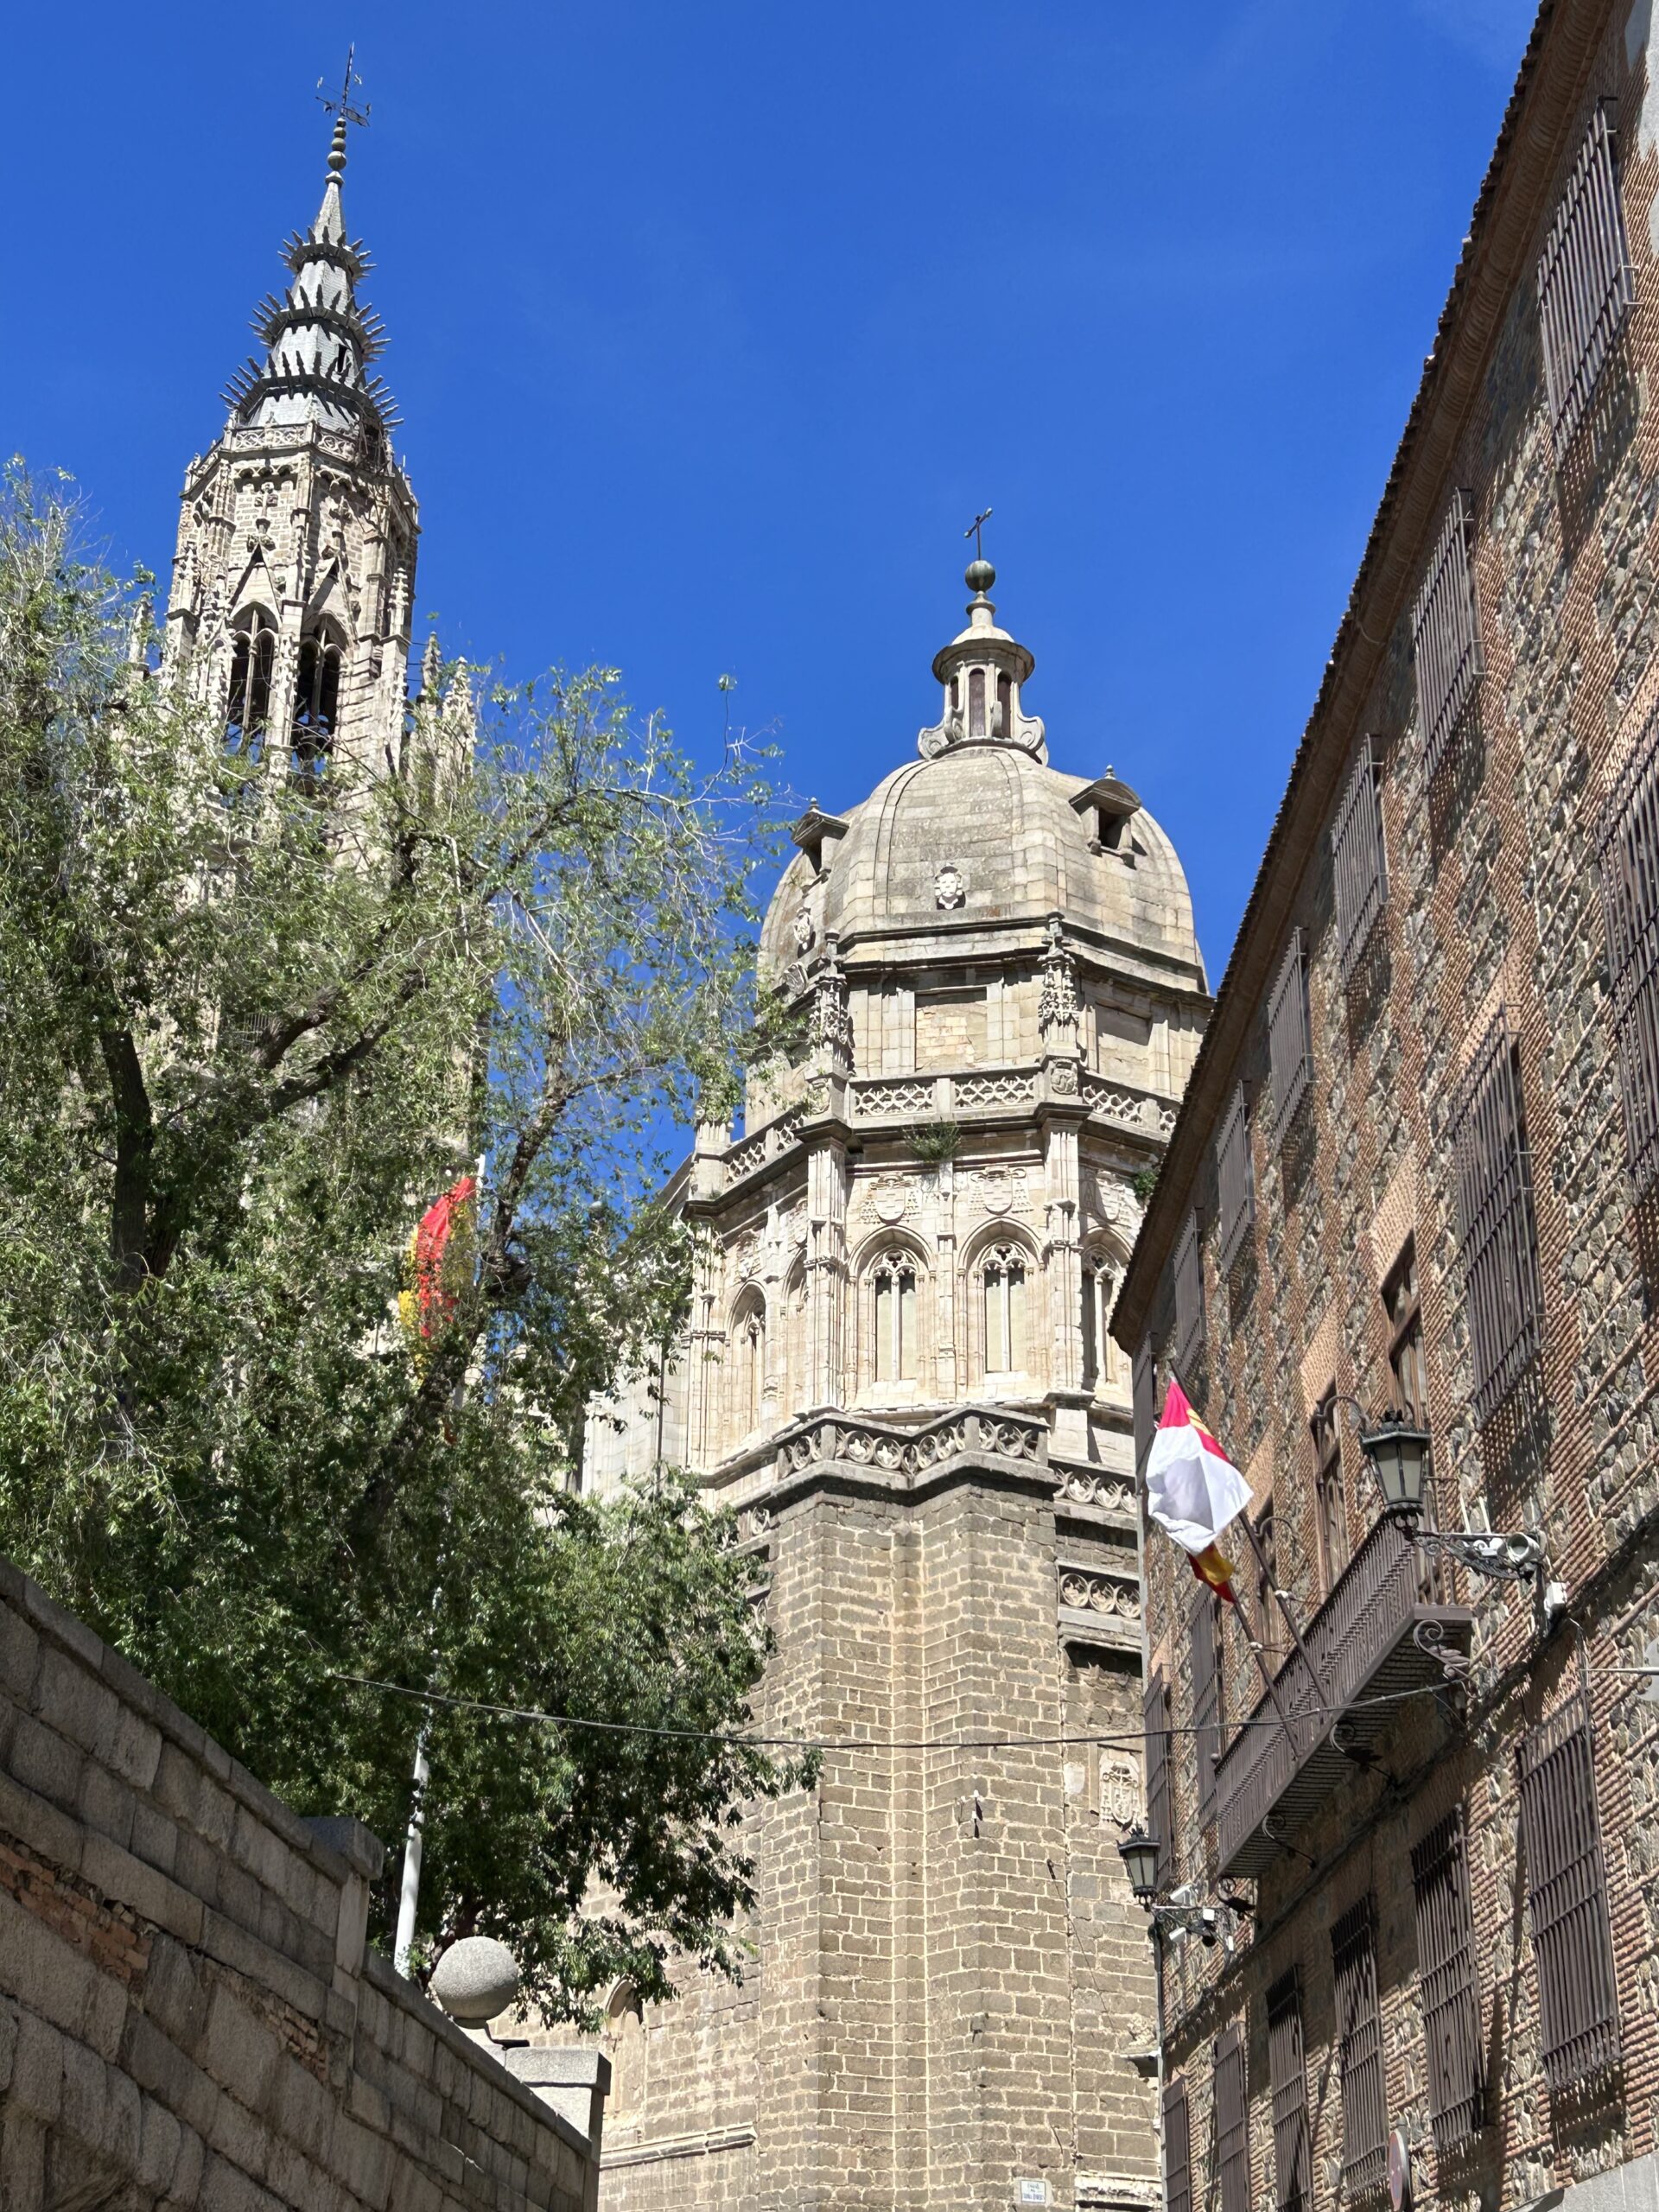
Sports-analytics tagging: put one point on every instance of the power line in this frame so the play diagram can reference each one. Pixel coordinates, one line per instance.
(838, 1744)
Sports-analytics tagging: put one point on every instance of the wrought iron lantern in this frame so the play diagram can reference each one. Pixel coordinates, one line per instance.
(1139, 1852)
(1398, 1454)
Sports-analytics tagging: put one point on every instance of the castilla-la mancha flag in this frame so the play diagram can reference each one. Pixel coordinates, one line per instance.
(1193, 1489)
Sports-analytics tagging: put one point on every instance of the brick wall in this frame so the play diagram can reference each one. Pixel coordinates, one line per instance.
(188, 2013)
(1492, 901)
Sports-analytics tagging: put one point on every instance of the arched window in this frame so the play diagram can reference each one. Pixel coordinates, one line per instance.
(247, 710)
(624, 2033)
(1004, 707)
(976, 702)
(1097, 1289)
(1003, 1279)
(749, 1364)
(895, 1317)
(316, 708)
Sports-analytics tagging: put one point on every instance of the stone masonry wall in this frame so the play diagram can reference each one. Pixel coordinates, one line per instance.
(1493, 902)
(188, 2013)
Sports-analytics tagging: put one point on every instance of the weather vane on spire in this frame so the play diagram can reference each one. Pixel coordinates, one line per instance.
(973, 531)
(344, 108)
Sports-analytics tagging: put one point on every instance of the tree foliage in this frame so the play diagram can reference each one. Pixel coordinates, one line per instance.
(255, 1021)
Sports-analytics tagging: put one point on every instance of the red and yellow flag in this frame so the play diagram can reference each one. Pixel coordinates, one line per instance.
(437, 1265)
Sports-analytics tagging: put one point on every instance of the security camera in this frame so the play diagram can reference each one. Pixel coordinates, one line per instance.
(1524, 1552)
(1208, 1926)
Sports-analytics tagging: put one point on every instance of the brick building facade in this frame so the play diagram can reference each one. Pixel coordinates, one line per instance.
(1415, 1169)
(897, 1374)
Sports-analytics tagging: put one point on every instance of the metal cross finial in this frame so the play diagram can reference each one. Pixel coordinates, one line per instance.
(344, 106)
(973, 531)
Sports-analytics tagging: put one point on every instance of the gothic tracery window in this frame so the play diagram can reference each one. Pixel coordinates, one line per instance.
(247, 710)
(1097, 1291)
(1002, 1277)
(748, 1366)
(316, 707)
(895, 1285)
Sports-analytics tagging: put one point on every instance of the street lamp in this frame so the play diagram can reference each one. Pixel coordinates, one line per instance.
(1139, 1852)
(1398, 1454)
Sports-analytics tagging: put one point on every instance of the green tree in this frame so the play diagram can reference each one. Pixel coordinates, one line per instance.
(255, 1022)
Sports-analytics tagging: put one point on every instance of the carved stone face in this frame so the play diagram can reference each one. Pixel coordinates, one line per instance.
(804, 932)
(949, 888)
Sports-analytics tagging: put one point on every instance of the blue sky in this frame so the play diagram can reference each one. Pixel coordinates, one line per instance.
(712, 326)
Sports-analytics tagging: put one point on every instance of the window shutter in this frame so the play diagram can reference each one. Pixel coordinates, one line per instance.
(1359, 873)
(1445, 636)
(1206, 1698)
(1359, 2051)
(1189, 1297)
(1496, 1222)
(1290, 1045)
(1566, 1898)
(1232, 2120)
(1627, 851)
(1144, 1392)
(1178, 2152)
(1235, 1181)
(1447, 1991)
(1159, 1809)
(1293, 2158)
(1586, 287)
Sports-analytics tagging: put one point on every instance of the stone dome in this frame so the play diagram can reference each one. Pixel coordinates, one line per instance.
(981, 834)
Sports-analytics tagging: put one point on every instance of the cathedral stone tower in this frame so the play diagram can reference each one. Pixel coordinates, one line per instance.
(899, 1375)
(294, 579)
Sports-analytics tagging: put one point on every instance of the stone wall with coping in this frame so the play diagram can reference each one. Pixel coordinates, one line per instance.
(189, 2014)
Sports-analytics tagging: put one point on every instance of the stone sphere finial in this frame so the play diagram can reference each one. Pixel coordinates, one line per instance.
(980, 575)
(475, 1980)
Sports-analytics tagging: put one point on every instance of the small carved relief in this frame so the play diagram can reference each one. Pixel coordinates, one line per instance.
(1062, 1078)
(746, 1256)
(805, 935)
(950, 888)
(889, 1199)
(1001, 1190)
(1120, 1792)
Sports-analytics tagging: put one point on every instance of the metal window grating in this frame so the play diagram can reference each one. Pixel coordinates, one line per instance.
(1586, 286)
(1206, 1698)
(1236, 1180)
(1359, 870)
(1232, 2121)
(1178, 2151)
(1292, 2156)
(1627, 852)
(1496, 1221)
(1144, 1393)
(1445, 634)
(1567, 1896)
(1359, 2051)
(1189, 1297)
(1290, 1042)
(1447, 1991)
(1159, 1809)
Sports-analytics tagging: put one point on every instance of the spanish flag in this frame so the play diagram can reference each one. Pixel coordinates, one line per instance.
(1193, 1489)
(437, 1263)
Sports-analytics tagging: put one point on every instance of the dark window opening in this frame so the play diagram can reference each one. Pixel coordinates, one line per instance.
(1627, 851)
(317, 708)
(1566, 1898)
(1404, 1310)
(247, 712)
(1445, 635)
(1358, 869)
(1290, 1039)
(1586, 286)
(1448, 1992)
(976, 702)
(1496, 1222)
(1004, 707)
(1293, 2152)
(1359, 2052)
(1330, 1491)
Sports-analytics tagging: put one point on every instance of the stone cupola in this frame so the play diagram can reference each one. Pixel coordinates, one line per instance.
(982, 670)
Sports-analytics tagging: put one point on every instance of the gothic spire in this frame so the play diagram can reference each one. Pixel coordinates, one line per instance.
(319, 342)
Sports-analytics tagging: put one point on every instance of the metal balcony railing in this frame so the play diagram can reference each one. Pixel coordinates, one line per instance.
(1377, 1635)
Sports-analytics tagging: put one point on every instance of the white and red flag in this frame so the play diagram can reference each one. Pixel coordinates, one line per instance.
(1193, 1489)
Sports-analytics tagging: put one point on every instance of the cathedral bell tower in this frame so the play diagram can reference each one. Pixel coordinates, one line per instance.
(294, 579)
